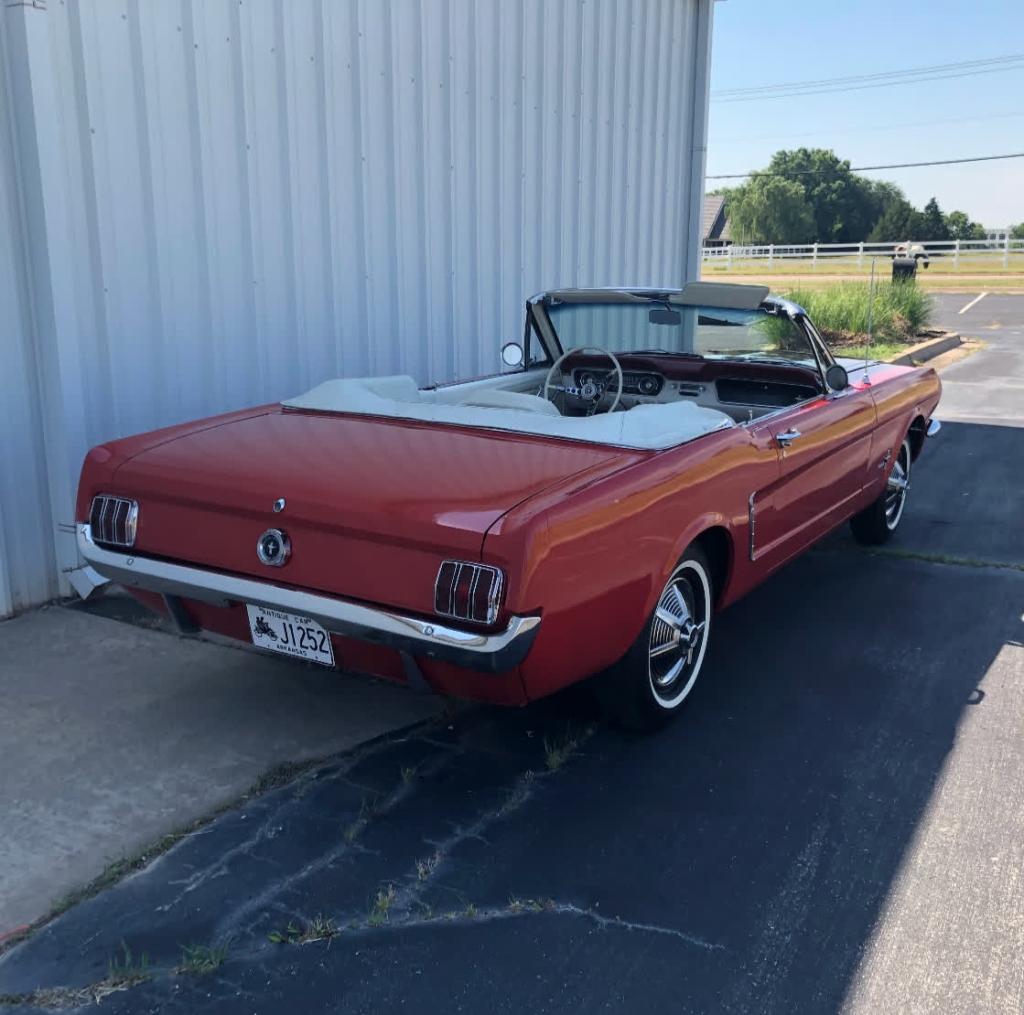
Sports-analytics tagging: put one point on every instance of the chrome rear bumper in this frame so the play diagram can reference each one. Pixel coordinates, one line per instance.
(489, 653)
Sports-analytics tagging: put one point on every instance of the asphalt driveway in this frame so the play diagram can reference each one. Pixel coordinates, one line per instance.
(837, 824)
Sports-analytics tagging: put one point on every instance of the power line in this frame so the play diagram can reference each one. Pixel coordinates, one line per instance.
(854, 78)
(874, 128)
(762, 94)
(861, 169)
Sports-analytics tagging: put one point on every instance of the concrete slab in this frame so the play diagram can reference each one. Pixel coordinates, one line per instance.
(114, 735)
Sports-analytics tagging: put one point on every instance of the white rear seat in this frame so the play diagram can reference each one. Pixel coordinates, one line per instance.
(647, 427)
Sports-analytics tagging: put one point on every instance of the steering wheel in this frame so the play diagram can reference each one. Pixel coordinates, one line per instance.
(592, 391)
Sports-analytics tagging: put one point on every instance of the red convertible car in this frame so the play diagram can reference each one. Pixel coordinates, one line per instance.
(647, 457)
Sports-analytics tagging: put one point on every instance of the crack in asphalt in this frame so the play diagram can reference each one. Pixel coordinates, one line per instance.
(404, 909)
(57, 998)
(270, 825)
(616, 922)
(928, 558)
(234, 922)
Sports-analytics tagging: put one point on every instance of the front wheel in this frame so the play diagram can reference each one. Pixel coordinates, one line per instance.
(653, 680)
(878, 521)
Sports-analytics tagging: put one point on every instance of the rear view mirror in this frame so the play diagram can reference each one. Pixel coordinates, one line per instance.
(512, 354)
(664, 315)
(837, 378)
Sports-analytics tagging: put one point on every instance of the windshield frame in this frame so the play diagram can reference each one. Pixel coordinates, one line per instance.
(546, 333)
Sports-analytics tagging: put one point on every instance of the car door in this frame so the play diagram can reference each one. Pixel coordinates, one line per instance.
(824, 448)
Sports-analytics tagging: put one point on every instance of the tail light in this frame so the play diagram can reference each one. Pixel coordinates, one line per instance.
(468, 591)
(113, 520)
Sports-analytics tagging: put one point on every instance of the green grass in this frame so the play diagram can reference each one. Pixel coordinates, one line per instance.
(320, 928)
(128, 969)
(381, 906)
(557, 752)
(199, 959)
(969, 264)
(842, 312)
(881, 351)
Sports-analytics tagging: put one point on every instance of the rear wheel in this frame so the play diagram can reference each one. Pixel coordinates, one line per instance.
(877, 522)
(654, 679)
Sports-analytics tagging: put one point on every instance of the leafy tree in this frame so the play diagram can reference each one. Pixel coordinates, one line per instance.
(900, 221)
(933, 223)
(882, 195)
(1017, 231)
(844, 205)
(960, 227)
(769, 209)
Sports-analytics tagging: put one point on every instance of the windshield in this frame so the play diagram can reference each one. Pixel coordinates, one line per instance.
(709, 332)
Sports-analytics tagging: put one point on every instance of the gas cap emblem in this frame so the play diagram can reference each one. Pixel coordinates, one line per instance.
(273, 548)
(279, 505)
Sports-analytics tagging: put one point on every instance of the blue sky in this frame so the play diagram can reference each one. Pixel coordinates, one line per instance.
(767, 42)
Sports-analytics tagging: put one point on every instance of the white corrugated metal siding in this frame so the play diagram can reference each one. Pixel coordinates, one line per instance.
(216, 203)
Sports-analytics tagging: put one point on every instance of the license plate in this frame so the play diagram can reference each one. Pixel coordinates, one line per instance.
(290, 634)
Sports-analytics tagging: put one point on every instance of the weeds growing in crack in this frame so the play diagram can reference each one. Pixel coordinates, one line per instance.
(199, 959)
(517, 905)
(128, 969)
(381, 906)
(426, 867)
(369, 808)
(558, 752)
(320, 928)
(519, 792)
(289, 936)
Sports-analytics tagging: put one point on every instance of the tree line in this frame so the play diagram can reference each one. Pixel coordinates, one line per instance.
(809, 195)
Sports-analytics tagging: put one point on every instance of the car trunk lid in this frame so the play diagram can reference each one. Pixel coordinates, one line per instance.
(371, 506)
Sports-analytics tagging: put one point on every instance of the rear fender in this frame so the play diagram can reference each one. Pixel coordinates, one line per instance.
(708, 520)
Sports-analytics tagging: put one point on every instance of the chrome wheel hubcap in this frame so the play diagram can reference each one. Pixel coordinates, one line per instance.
(896, 488)
(677, 635)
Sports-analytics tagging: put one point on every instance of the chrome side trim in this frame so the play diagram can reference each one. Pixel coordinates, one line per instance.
(474, 650)
(934, 426)
(750, 515)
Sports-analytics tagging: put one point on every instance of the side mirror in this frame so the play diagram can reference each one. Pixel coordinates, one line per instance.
(512, 354)
(837, 378)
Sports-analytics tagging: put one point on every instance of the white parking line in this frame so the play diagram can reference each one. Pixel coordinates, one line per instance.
(963, 310)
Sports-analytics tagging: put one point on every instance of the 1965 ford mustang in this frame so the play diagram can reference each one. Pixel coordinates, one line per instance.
(648, 457)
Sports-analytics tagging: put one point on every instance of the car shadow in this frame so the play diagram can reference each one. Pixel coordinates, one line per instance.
(739, 861)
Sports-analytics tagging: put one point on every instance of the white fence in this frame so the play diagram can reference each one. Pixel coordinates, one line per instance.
(991, 253)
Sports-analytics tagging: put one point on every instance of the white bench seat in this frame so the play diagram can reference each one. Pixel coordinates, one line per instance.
(646, 427)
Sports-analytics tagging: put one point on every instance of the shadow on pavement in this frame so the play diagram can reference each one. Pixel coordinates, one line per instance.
(737, 862)
(967, 495)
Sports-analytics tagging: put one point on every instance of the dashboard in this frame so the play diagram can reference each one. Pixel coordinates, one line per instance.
(741, 390)
(633, 383)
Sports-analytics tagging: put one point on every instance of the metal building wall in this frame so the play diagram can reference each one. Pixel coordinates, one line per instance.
(224, 202)
(27, 571)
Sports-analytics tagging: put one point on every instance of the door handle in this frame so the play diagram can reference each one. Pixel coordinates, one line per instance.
(787, 437)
